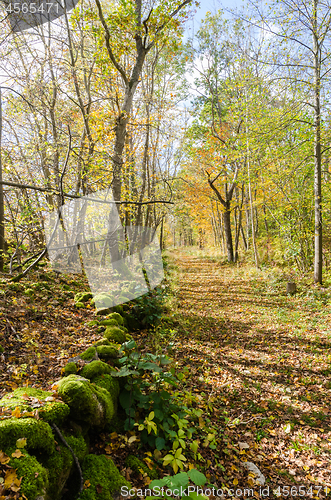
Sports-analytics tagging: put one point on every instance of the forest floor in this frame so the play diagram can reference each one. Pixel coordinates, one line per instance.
(260, 362)
(256, 361)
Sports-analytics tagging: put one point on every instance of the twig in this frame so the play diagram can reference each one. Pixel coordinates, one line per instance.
(57, 430)
(21, 275)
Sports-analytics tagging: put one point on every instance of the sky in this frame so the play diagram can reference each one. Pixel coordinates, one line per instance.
(212, 5)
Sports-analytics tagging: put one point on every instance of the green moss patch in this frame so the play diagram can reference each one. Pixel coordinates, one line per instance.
(88, 354)
(105, 479)
(70, 368)
(109, 383)
(83, 296)
(37, 433)
(34, 476)
(61, 463)
(109, 322)
(95, 368)
(88, 403)
(103, 299)
(28, 399)
(103, 342)
(117, 317)
(139, 467)
(115, 334)
(107, 351)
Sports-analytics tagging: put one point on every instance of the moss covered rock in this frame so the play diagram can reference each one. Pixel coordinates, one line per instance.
(117, 317)
(83, 296)
(88, 402)
(101, 472)
(94, 369)
(28, 399)
(61, 463)
(70, 368)
(109, 322)
(139, 467)
(109, 383)
(103, 300)
(38, 434)
(34, 476)
(88, 354)
(79, 305)
(103, 342)
(107, 351)
(115, 333)
(103, 311)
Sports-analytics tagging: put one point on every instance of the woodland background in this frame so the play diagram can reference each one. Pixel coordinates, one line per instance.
(231, 124)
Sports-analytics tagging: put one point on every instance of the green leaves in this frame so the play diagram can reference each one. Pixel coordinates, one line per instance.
(177, 483)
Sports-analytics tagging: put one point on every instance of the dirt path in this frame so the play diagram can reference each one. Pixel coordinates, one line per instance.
(260, 363)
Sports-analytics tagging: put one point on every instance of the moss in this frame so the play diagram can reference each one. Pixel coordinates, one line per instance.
(92, 323)
(34, 475)
(137, 466)
(117, 317)
(107, 351)
(60, 463)
(109, 322)
(101, 472)
(55, 412)
(108, 406)
(59, 466)
(37, 433)
(114, 333)
(1, 348)
(29, 292)
(88, 354)
(70, 368)
(118, 309)
(103, 342)
(103, 311)
(88, 402)
(109, 383)
(79, 305)
(103, 299)
(83, 296)
(25, 397)
(95, 368)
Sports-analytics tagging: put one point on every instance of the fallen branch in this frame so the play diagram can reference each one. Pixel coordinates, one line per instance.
(77, 197)
(57, 430)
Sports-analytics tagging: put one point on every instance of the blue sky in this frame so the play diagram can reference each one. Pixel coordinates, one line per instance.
(211, 5)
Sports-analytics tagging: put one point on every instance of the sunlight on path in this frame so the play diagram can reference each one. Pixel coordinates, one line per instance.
(264, 360)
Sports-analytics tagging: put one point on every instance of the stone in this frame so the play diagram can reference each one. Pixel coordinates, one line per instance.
(259, 477)
(291, 288)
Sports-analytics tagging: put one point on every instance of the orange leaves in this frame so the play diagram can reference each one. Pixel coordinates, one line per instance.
(17, 412)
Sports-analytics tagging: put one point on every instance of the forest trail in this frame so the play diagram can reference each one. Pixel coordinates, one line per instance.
(259, 363)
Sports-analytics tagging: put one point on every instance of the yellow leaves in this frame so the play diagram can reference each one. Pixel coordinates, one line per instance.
(149, 463)
(17, 454)
(16, 413)
(11, 480)
(235, 481)
(4, 459)
(87, 484)
(21, 443)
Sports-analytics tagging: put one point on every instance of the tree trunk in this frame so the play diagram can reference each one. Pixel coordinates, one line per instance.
(228, 232)
(317, 153)
(2, 214)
